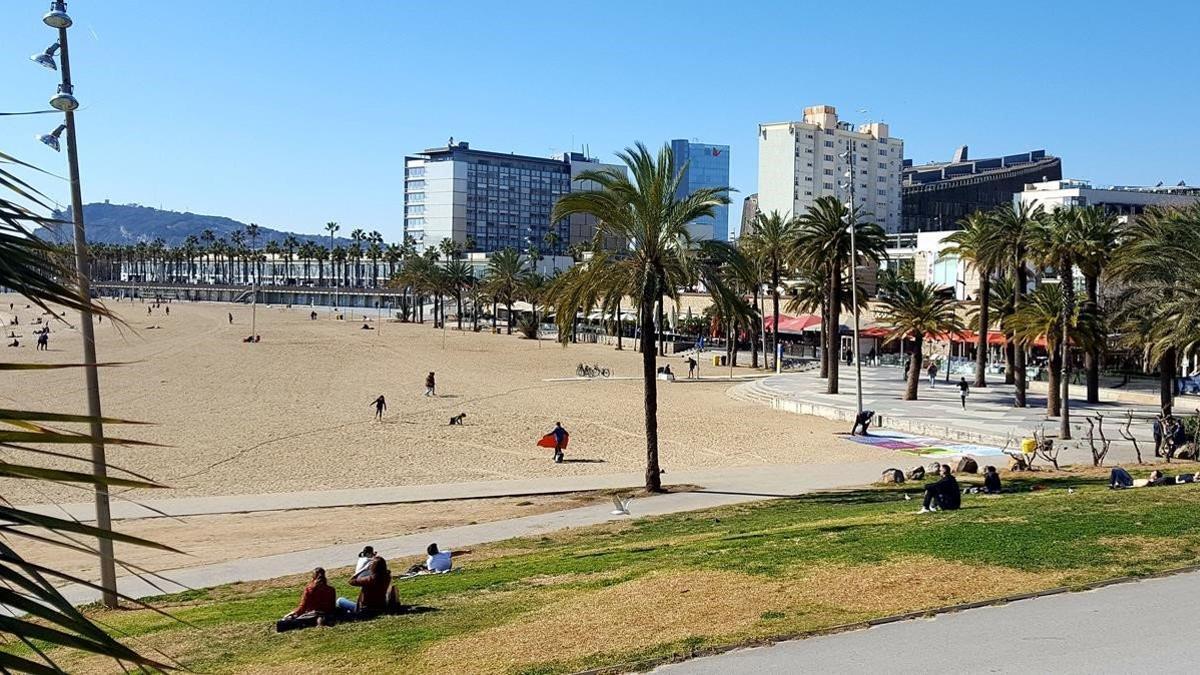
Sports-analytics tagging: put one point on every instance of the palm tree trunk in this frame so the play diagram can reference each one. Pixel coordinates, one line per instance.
(1019, 381)
(775, 313)
(754, 335)
(650, 387)
(981, 343)
(1053, 400)
(620, 328)
(835, 320)
(1091, 359)
(824, 338)
(662, 333)
(1067, 275)
(458, 301)
(508, 322)
(1166, 380)
(914, 371)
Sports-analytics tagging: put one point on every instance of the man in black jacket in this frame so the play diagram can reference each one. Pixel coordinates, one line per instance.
(942, 494)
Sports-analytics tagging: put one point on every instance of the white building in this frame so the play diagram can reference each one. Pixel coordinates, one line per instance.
(801, 161)
(488, 201)
(1122, 200)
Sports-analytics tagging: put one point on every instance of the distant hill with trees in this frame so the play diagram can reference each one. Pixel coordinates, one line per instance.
(132, 223)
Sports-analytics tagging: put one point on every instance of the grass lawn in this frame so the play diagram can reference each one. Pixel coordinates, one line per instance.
(654, 588)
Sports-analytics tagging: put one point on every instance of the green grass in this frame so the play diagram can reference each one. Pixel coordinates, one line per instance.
(766, 551)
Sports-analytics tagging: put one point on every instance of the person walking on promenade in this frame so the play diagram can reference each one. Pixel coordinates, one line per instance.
(380, 406)
(430, 385)
(931, 371)
(963, 390)
(692, 363)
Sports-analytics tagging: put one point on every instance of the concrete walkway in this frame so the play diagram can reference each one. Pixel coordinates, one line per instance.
(722, 487)
(989, 419)
(1129, 628)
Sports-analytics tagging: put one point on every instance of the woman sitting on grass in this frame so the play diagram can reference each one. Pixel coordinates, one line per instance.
(374, 586)
(318, 597)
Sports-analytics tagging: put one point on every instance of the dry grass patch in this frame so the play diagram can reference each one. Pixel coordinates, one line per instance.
(915, 583)
(1139, 549)
(656, 608)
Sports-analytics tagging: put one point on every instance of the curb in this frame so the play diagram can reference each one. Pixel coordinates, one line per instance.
(646, 665)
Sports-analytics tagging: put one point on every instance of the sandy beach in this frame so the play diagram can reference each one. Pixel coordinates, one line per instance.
(293, 411)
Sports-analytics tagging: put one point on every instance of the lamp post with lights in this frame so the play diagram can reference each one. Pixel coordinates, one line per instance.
(65, 101)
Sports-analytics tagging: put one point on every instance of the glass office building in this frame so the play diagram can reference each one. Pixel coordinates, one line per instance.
(707, 166)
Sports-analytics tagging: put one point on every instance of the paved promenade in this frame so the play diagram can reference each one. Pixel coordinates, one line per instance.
(721, 487)
(988, 419)
(1128, 628)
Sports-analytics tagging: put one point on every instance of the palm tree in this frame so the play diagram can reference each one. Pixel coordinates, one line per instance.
(824, 244)
(331, 227)
(1100, 234)
(1040, 317)
(1055, 242)
(272, 249)
(459, 278)
(646, 213)
(916, 310)
(504, 273)
(1013, 227)
(973, 245)
(771, 244)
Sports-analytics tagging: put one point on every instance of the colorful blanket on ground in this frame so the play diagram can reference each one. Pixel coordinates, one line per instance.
(925, 446)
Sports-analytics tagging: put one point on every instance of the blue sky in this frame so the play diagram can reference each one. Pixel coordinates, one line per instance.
(291, 114)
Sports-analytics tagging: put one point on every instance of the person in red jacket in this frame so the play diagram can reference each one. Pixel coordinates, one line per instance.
(318, 596)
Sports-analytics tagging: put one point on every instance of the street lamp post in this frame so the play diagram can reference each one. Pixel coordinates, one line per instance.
(849, 156)
(65, 101)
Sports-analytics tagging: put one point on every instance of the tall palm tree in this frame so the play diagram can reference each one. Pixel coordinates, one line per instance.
(459, 278)
(643, 209)
(1010, 244)
(504, 273)
(1055, 242)
(823, 243)
(331, 227)
(916, 310)
(973, 245)
(772, 245)
(1100, 234)
(1040, 317)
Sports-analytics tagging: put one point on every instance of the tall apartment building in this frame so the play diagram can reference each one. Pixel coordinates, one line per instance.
(492, 200)
(801, 161)
(707, 167)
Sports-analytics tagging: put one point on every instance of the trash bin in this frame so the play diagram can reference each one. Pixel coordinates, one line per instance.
(1028, 446)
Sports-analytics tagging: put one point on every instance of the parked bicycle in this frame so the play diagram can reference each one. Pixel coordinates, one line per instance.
(591, 371)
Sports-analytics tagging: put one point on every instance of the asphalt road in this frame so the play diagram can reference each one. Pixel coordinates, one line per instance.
(1138, 627)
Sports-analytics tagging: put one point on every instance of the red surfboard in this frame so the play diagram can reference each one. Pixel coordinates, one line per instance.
(548, 441)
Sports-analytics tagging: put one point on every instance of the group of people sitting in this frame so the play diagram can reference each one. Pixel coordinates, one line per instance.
(944, 493)
(665, 373)
(321, 606)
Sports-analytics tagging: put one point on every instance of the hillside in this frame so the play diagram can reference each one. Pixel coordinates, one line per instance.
(132, 223)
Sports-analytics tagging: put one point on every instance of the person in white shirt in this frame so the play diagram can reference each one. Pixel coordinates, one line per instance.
(438, 561)
(364, 560)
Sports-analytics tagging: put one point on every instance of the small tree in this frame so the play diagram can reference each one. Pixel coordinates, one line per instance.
(1100, 452)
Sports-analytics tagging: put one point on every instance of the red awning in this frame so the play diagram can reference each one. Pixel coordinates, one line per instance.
(873, 332)
(792, 324)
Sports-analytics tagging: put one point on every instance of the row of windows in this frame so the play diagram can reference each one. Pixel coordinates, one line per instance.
(414, 185)
(415, 208)
(415, 171)
(414, 197)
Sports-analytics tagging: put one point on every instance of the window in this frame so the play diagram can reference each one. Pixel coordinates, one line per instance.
(882, 192)
(808, 193)
(829, 144)
(829, 132)
(415, 208)
(410, 222)
(828, 172)
(415, 171)
(883, 165)
(414, 197)
(829, 186)
(808, 178)
(883, 153)
(414, 185)
(828, 158)
(881, 179)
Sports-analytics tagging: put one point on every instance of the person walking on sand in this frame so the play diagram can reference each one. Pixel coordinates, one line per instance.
(380, 406)
(691, 361)
(231, 318)
(43, 342)
(560, 441)
(430, 385)
(963, 390)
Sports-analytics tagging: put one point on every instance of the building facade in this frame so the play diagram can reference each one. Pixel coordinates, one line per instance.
(489, 201)
(936, 196)
(1120, 200)
(801, 161)
(704, 166)
(749, 215)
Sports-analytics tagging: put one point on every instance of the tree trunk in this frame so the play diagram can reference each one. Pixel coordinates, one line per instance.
(754, 336)
(824, 338)
(1010, 354)
(1091, 359)
(981, 343)
(620, 328)
(1019, 353)
(661, 327)
(775, 313)
(1166, 380)
(1053, 370)
(835, 320)
(914, 370)
(1067, 275)
(650, 386)
(508, 322)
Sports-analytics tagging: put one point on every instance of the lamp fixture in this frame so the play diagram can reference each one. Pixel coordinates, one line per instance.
(51, 139)
(46, 58)
(57, 16)
(63, 100)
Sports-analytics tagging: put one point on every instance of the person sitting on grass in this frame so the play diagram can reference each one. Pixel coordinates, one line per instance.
(942, 494)
(318, 596)
(374, 585)
(436, 560)
(365, 557)
(991, 481)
